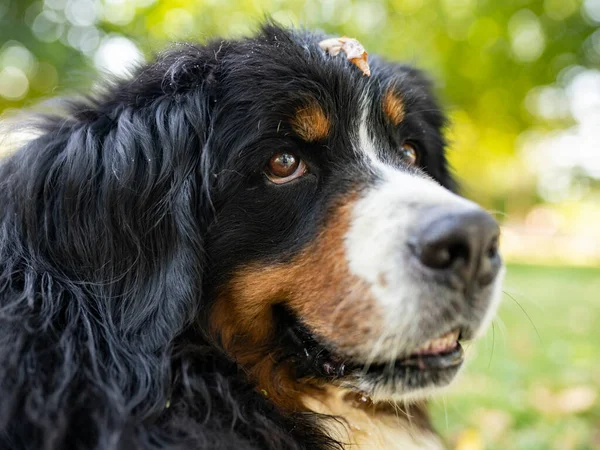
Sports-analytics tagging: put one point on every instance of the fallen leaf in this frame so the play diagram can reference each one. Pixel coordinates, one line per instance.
(353, 49)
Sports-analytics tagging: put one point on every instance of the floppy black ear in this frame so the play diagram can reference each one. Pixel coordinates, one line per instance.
(101, 221)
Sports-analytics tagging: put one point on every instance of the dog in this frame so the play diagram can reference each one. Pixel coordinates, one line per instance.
(248, 244)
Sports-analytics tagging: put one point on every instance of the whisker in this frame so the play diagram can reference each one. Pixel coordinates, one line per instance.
(527, 315)
(502, 328)
(373, 353)
(419, 111)
(408, 415)
(347, 299)
(495, 212)
(216, 175)
(392, 361)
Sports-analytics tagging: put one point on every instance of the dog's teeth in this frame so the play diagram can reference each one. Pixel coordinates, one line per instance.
(446, 342)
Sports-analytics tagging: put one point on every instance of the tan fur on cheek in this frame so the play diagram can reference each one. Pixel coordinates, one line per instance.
(311, 123)
(317, 286)
(393, 107)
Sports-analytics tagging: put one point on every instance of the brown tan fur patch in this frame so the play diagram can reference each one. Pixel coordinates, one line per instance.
(393, 107)
(311, 123)
(318, 286)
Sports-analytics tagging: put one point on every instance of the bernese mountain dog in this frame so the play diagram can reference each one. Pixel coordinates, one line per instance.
(248, 244)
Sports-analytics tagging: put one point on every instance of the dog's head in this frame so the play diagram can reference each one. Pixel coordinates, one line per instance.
(306, 207)
(338, 252)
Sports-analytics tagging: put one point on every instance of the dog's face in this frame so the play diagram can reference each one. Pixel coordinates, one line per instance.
(338, 252)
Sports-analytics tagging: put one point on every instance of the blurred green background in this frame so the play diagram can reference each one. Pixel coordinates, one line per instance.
(521, 82)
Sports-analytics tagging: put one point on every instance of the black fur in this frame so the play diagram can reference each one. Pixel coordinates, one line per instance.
(120, 220)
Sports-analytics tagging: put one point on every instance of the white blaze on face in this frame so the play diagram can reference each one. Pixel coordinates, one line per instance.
(376, 243)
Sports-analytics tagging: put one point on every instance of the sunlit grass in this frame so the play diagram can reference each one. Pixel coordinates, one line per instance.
(532, 382)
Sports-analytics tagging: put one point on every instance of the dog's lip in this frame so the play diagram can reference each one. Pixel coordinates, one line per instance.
(443, 352)
(436, 361)
(439, 362)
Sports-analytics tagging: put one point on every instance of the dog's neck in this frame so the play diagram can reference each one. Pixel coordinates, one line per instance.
(364, 425)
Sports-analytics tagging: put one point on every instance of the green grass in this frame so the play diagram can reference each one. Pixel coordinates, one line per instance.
(532, 382)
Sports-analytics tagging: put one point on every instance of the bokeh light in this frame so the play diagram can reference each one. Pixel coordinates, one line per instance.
(117, 55)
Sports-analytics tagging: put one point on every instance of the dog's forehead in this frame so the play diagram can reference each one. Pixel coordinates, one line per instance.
(292, 78)
(296, 67)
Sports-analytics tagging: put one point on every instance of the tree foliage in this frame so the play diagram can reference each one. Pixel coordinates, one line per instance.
(487, 57)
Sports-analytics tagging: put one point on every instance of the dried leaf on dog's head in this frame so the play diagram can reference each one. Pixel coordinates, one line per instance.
(353, 49)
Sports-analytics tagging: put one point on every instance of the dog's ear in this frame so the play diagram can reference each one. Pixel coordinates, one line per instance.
(113, 193)
(101, 253)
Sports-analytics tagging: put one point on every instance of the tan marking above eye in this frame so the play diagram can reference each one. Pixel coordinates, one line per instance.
(393, 107)
(311, 123)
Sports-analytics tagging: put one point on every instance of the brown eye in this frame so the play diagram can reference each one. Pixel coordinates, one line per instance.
(409, 154)
(284, 167)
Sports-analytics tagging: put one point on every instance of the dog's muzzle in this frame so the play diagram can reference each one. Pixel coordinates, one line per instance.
(431, 261)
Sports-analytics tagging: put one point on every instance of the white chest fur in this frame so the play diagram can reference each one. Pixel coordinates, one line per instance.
(363, 428)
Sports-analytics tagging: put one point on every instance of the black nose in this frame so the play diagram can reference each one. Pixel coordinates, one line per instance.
(461, 243)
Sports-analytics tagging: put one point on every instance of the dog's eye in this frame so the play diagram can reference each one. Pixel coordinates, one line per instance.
(409, 154)
(284, 167)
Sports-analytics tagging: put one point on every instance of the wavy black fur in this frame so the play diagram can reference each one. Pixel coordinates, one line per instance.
(102, 226)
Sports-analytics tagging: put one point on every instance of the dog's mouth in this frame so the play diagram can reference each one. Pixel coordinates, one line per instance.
(434, 362)
(441, 353)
